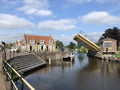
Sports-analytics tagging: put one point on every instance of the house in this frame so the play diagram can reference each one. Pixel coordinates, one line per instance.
(20, 44)
(108, 45)
(39, 43)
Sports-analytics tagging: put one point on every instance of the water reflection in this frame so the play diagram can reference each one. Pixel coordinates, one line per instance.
(83, 74)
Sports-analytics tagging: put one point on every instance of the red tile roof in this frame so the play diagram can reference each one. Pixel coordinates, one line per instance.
(37, 38)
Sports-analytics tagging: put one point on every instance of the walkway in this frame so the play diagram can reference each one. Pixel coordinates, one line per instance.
(2, 83)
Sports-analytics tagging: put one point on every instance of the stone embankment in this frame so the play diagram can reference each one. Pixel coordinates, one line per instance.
(108, 57)
(26, 63)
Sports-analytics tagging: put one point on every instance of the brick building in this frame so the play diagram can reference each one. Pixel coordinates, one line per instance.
(39, 43)
(109, 45)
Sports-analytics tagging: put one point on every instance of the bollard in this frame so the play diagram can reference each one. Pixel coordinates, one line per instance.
(71, 57)
(10, 53)
(13, 53)
(49, 61)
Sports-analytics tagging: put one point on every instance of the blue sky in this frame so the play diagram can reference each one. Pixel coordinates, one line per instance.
(62, 19)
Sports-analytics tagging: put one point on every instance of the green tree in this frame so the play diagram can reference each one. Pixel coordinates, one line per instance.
(59, 44)
(112, 33)
(72, 45)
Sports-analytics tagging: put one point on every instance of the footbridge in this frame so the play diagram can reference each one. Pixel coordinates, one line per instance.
(92, 45)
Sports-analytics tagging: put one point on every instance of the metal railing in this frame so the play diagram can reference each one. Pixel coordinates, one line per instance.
(11, 75)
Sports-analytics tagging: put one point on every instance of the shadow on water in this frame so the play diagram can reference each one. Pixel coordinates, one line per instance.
(83, 74)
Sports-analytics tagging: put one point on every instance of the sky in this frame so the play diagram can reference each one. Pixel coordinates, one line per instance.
(61, 19)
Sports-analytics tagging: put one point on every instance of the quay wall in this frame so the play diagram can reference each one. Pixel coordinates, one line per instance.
(54, 55)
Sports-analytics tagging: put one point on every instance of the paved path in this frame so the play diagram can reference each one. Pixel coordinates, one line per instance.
(2, 82)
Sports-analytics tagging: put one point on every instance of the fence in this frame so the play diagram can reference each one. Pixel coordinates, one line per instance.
(11, 74)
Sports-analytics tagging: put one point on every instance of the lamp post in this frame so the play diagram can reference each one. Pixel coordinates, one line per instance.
(3, 50)
(37, 46)
(3, 56)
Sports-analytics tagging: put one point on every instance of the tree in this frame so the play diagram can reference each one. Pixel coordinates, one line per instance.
(71, 45)
(59, 44)
(112, 33)
(79, 45)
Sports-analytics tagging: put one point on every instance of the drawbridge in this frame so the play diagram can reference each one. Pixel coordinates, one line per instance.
(92, 45)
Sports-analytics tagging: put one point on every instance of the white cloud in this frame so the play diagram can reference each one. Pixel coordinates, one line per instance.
(78, 1)
(91, 1)
(8, 2)
(62, 24)
(65, 39)
(36, 7)
(100, 18)
(13, 22)
(94, 36)
(10, 37)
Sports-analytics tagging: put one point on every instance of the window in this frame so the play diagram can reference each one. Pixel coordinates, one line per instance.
(42, 42)
(32, 42)
(107, 44)
(50, 42)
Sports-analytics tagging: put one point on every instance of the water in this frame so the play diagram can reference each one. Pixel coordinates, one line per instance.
(83, 74)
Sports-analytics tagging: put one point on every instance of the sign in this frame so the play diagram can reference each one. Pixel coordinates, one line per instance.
(107, 44)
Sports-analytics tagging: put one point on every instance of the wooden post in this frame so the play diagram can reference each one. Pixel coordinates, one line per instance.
(49, 61)
(10, 53)
(71, 57)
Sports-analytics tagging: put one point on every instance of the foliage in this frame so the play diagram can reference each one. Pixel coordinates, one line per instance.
(118, 48)
(8, 46)
(112, 33)
(59, 44)
(83, 49)
(80, 57)
(79, 45)
(117, 55)
(72, 45)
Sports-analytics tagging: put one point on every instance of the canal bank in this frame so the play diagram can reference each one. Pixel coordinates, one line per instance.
(107, 57)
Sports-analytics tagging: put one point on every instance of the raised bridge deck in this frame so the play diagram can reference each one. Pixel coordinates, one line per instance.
(92, 45)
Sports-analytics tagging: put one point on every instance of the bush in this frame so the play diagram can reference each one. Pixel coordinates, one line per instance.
(117, 55)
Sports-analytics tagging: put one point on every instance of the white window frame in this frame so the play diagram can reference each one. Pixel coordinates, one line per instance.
(32, 42)
(42, 42)
(51, 42)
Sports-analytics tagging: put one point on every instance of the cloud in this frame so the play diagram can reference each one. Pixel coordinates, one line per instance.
(62, 24)
(100, 18)
(65, 39)
(104, 1)
(12, 2)
(94, 36)
(78, 1)
(36, 7)
(90, 1)
(10, 37)
(13, 22)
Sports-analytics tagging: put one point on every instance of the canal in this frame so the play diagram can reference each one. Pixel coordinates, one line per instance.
(83, 74)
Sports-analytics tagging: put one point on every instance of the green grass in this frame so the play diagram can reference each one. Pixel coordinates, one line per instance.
(117, 55)
(83, 49)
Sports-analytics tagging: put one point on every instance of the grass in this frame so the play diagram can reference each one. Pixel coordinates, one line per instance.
(117, 55)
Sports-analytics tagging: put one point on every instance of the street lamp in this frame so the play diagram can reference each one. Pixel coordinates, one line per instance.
(3, 56)
(3, 50)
